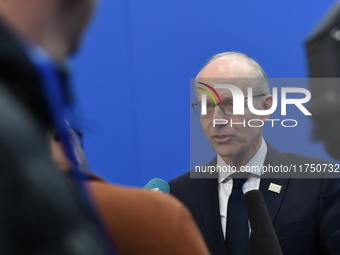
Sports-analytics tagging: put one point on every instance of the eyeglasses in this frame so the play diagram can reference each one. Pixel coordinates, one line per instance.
(226, 107)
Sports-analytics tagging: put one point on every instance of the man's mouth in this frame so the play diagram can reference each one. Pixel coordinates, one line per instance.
(222, 138)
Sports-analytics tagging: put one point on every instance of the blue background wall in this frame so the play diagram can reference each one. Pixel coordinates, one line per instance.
(139, 56)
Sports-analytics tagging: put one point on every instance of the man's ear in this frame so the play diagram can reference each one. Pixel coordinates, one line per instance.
(267, 104)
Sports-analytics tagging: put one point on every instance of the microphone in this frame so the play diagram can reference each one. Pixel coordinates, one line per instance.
(262, 229)
(158, 185)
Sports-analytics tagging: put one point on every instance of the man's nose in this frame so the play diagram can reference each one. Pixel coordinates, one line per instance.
(218, 114)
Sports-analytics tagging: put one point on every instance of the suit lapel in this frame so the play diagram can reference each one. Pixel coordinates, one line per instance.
(207, 193)
(273, 200)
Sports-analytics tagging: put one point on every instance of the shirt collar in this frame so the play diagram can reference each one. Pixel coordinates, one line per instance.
(257, 160)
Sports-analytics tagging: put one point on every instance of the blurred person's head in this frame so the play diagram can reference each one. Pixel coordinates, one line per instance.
(55, 25)
(236, 143)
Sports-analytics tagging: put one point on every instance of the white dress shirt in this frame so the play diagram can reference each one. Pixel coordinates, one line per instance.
(225, 183)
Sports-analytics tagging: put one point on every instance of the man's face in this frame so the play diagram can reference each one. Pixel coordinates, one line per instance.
(236, 143)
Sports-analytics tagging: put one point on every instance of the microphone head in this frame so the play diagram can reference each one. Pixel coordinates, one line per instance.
(262, 229)
(158, 185)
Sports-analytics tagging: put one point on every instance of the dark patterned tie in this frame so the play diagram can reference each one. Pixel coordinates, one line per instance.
(237, 233)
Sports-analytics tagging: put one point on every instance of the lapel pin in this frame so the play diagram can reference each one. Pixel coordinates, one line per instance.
(275, 188)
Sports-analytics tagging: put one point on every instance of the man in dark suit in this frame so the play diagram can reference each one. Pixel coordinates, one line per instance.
(303, 211)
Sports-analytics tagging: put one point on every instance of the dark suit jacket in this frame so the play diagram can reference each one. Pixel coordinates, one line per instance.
(145, 222)
(39, 212)
(305, 215)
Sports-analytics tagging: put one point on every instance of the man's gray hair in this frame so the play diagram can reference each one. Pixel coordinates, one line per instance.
(261, 81)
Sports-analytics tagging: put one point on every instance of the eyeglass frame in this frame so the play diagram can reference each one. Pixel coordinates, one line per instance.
(221, 107)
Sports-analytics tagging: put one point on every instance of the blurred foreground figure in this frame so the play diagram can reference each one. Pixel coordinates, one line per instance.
(40, 212)
(323, 46)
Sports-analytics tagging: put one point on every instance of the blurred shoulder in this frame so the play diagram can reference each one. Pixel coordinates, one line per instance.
(146, 222)
(305, 158)
(121, 197)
